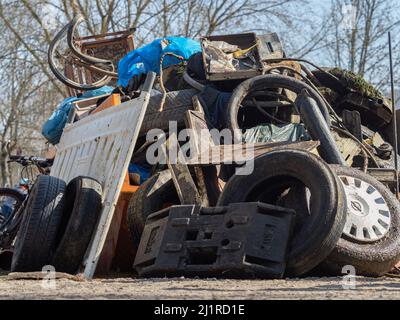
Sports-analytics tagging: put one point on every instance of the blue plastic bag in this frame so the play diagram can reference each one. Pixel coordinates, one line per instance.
(52, 129)
(147, 58)
(142, 171)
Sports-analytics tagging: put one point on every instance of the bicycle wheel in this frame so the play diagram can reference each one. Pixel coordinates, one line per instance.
(62, 62)
(10, 201)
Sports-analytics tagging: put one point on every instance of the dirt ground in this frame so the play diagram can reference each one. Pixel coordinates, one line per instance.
(180, 288)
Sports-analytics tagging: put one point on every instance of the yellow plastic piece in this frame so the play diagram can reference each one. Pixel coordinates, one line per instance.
(239, 53)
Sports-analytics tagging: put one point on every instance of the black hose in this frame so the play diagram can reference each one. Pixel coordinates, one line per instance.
(309, 82)
(265, 82)
(305, 61)
(318, 129)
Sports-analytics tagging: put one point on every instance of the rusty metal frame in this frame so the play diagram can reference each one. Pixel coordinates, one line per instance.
(125, 39)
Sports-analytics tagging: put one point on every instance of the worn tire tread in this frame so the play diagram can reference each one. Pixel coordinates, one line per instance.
(38, 231)
(175, 106)
(83, 209)
(374, 259)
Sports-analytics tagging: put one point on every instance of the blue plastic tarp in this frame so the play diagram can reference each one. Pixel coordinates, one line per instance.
(147, 58)
(52, 129)
(142, 171)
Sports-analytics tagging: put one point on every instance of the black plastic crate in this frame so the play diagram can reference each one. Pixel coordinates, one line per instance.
(240, 240)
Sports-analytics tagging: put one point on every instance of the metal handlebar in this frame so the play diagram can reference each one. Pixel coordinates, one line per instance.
(31, 160)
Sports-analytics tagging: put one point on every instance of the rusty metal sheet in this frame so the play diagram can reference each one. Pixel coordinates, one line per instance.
(100, 146)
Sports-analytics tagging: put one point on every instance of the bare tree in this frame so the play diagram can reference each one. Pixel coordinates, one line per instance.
(23, 107)
(357, 36)
(29, 90)
(346, 33)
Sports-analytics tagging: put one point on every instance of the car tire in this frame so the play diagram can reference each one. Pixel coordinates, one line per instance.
(82, 211)
(42, 217)
(154, 194)
(278, 171)
(368, 258)
(175, 106)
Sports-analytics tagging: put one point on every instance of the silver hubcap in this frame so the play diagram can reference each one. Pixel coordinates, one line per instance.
(368, 215)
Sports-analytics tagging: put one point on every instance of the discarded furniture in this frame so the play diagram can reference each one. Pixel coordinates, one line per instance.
(88, 62)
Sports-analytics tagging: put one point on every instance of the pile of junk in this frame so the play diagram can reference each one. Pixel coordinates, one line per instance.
(317, 193)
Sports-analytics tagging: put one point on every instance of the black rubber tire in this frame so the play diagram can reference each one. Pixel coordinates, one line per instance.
(318, 235)
(175, 106)
(270, 81)
(151, 197)
(42, 218)
(373, 259)
(19, 198)
(60, 76)
(82, 211)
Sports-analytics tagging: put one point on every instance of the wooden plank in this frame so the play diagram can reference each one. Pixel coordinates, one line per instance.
(117, 231)
(201, 183)
(383, 175)
(205, 152)
(85, 106)
(196, 121)
(183, 181)
(244, 152)
(116, 240)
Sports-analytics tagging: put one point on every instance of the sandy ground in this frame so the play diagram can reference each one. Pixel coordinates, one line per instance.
(130, 288)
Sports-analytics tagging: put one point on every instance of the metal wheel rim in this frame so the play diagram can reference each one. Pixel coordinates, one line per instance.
(368, 214)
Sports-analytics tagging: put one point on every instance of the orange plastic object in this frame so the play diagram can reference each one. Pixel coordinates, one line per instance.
(127, 187)
(118, 250)
(113, 100)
